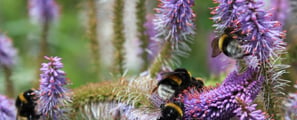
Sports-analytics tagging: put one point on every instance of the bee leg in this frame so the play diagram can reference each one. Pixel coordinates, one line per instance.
(172, 111)
(241, 65)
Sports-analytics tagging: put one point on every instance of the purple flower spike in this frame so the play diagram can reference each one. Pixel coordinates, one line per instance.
(7, 109)
(247, 110)
(219, 103)
(42, 11)
(53, 93)
(174, 20)
(7, 51)
(264, 40)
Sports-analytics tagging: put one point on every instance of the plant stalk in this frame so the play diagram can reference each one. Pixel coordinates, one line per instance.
(9, 90)
(143, 38)
(43, 50)
(92, 34)
(164, 54)
(118, 38)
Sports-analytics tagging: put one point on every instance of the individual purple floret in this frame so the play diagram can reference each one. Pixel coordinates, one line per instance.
(42, 11)
(219, 103)
(247, 110)
(7, 109)
(280, 10)
(263, 37)
(7, 51)
(174, 20)
(53, 91)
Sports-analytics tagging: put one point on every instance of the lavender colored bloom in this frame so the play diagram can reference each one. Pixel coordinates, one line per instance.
(7, 109)
(42, 11)
(264, 40)
(280, 10)
(53, 93)
(153, 47)
(7, 51)
(174, 20)
(219, 103)
(291, 106)
(247, 110)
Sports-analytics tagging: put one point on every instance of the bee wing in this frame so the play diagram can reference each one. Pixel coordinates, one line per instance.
(215, 47)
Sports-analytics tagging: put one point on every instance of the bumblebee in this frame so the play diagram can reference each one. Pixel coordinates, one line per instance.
(229, 44)
(26, 105)
(172, 83)
(172, 111)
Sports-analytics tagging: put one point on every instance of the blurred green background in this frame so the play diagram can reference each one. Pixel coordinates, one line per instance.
(68, 40)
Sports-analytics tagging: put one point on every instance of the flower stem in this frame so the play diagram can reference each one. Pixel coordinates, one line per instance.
(118, 38)
(9, 91)
(43, 50)
(159, 60)
(92, 34)
(140, 14)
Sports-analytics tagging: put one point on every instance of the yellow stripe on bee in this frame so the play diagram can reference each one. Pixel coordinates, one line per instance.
(179, 110)
(22, 98)
(176, 79)
(221, 41)
(199, 79)
(189, 73)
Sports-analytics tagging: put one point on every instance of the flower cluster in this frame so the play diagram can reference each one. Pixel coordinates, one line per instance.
(43, 11)
(174, 20)
(221, 102)
(7, 51)
(53, 94)
(247, 110)
(7, 110)
(263, 36)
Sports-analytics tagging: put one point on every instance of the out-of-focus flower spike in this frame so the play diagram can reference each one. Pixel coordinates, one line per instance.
(54, 95)
(153, 46)
(42, 11)
(8, 56)
(290, 106)
(280, 10)
(7, 109)
(7, 51)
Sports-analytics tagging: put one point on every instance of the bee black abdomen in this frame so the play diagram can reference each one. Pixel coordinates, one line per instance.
(197, 83)
(172, 111)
